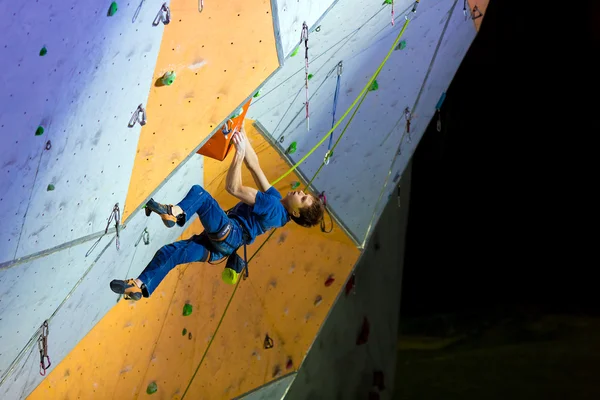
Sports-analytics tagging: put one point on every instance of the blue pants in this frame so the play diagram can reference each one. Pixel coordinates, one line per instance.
(194, 249)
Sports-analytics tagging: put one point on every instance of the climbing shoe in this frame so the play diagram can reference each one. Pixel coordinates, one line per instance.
(129, 289)
(165, 211)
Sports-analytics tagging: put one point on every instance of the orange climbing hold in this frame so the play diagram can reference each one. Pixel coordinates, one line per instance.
(219, 144)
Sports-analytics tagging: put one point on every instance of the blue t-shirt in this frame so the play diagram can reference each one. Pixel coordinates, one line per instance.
(266, 213)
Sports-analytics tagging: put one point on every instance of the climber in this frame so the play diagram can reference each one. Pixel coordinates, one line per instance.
(224, 233)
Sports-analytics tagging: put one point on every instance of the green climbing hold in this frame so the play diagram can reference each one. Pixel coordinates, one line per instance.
(43, 51)
(374, 86)
(50, 187)
(152, 388)
(310, 76)
(292, 148)
(295, 51)
(183, 332)
(295, 184)
(401, 45)
(387, 1)
(187, 310)
(168, 78)
(39, 131)
(256, 94)
(112, 10)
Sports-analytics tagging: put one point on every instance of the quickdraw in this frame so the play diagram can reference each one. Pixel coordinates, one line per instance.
(145, 236)
(116, 215)
(413, 11)
(268, 343)
(139, 115)
(408, 117)
(200, 5)
(43, 347)
(323, 200)
(164, 15)
(329, 153)
(393, 22)
(304, 37)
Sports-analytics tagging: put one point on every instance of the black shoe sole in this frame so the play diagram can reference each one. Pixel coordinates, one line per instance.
(119, 287)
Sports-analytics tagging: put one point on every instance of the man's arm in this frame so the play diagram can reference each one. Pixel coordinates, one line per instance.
(233, 183)
(251, 161)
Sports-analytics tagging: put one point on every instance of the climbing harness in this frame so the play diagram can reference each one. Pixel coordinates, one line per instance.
(164, 15)
(304, 37)
(43, 348)
(340, 69)
(323, 200)
(116, 215)
(137, 11)
(200, 5)
(139, 115)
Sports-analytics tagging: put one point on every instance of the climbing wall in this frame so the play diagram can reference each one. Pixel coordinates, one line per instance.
(375, 296)
(71, 77)
(70, 289)
(216, 68)
(218, 351)
(289, 16)
(360, 34)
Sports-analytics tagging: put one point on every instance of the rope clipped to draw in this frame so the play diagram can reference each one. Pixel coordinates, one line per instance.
(304, 37)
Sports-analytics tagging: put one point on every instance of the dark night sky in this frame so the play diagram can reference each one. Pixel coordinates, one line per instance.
(496, 214)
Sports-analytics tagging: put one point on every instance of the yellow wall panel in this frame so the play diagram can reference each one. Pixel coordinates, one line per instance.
(220, 56)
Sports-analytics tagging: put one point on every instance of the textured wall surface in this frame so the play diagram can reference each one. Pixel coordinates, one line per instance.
(290, 16)
(83, 91)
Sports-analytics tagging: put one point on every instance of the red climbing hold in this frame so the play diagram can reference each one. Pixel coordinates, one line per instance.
(350, 285)
(289, 364)
(329, 280)
(365, 329)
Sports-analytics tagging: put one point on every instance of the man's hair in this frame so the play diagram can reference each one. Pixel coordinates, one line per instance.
(310, 215)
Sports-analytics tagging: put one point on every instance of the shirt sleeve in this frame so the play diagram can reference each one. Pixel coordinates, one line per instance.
(266, 202)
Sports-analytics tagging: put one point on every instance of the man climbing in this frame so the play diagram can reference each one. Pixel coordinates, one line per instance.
(256, 213)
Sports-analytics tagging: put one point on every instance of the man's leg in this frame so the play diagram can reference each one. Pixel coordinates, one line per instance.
(165, 259)
(199, 201)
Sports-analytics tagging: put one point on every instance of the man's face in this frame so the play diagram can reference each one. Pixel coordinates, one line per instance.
(298, 199)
